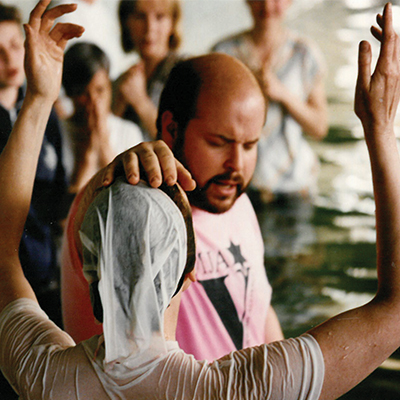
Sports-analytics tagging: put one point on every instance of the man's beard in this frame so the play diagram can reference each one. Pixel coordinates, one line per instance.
(199, 196)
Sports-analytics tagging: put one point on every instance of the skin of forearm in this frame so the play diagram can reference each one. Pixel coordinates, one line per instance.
(311, 117)
(358, 341)
(355, 343)
(384, 164)
(119, 106)
(147, 113)
(18, 166)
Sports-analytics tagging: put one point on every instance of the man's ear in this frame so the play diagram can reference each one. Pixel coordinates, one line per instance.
(169, 129)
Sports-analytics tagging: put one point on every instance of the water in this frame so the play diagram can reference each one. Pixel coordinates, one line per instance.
(320, 257)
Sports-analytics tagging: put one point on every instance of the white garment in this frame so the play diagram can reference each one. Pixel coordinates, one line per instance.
(134, 241)
(123, 135)
(41, 361)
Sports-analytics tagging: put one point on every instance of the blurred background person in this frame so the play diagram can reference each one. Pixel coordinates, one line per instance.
(93, 136)
(291, 71)
(152, 29)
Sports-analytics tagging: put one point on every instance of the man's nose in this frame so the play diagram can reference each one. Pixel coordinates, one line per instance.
(234, 161)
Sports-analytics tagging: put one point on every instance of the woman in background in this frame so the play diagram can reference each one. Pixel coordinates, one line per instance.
(152, 29)
(291, 71)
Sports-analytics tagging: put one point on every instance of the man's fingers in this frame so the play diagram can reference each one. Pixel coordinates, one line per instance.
(151, 161)
(131, 166)
(185, 178)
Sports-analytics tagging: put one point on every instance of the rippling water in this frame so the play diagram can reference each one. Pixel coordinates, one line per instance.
(323, 257)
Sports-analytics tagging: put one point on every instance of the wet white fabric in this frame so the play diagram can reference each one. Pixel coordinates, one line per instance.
(41, 362)
(135, 244)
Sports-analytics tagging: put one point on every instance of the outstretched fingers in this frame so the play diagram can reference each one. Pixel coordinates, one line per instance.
(363, 79)
(42, 20)
(63, 32)
(51, 15)
(388, 38)
(364, 65)
(35, 17)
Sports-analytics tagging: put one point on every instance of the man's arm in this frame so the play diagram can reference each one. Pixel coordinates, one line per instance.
(358, 341)
(43, 63)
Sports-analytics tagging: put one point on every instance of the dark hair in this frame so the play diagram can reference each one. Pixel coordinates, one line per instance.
(179, 96)
(81, 62)
(128, 7)
(10, 14)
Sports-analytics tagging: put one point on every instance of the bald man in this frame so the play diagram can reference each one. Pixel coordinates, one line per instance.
(211, 114)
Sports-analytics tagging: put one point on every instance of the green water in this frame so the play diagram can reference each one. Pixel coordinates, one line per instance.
(321, 257)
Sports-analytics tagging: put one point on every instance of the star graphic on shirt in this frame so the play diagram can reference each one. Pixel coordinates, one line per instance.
(238, 257)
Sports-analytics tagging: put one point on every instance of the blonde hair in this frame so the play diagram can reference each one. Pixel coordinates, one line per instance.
(128, 7)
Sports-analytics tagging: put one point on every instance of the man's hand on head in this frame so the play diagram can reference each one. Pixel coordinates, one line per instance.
(153, 162)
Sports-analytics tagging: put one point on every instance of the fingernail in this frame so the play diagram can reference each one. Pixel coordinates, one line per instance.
(155, 181)
(170, 181)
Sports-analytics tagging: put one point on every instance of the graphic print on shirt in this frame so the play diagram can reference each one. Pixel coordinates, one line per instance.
(218, 292)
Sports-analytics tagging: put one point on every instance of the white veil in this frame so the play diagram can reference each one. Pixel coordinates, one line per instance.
(135, 244)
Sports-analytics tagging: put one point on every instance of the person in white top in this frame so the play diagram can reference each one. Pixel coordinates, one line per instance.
(39, 359)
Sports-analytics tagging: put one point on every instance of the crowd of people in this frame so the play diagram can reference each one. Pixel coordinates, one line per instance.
(159, 288)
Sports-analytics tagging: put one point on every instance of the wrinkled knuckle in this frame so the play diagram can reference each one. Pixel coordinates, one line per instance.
(160, 144)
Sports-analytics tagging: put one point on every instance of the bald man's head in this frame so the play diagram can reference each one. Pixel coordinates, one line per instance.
(218, 75)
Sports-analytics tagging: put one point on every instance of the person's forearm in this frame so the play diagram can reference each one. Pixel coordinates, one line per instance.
(119, 106)
(311, 115)
(18, 163)
(147, 113)
(385, 165)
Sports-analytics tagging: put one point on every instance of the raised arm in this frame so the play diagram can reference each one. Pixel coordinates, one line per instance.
(44, 47)
(358, 341)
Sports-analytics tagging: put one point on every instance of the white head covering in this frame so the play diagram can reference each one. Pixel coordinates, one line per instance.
(134, 243)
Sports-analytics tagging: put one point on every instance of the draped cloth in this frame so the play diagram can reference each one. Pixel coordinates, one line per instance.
(135, 245)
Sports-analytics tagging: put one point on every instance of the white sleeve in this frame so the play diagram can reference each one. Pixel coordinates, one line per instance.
(288, 369)
(25, 336)
(291, 369)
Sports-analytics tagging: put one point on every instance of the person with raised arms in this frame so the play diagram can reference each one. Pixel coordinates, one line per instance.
(137, 356)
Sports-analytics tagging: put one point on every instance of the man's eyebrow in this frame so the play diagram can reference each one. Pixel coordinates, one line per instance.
(230, 140)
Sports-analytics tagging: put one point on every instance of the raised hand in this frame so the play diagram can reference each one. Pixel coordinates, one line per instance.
(44, 47)
(377, 95)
